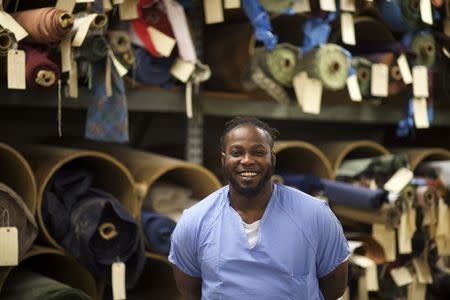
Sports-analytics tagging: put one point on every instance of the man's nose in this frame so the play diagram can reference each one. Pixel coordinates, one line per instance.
(247, 159)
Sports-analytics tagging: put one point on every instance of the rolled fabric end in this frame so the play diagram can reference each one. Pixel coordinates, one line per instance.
(40, 70)
(7, 41)
(158, 229)
(65, 20)
(100, 21)
(426, 196)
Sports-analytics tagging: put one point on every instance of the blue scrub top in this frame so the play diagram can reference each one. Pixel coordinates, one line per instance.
(299, 241)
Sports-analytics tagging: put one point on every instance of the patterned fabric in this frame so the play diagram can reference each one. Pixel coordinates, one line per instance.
(107, 117)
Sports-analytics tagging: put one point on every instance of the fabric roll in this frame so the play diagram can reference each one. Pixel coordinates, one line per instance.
(276, 6)
(94, 48)
(23, 284)
(363, 68)
(14, 213)
(388, 214)
(100, 21)
(423, 44)
(309, 184)
(107, 117)
(7, 41)
(41, 71)
(353, 196)
(92, 225)
(328, 63)
(282, 62)
(426, 196)
(46, 25)
(158, 229)
(260, 21)
(121, 46)
(400, 15)
(153, 70)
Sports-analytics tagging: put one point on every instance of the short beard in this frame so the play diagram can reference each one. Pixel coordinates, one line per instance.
(249, 192)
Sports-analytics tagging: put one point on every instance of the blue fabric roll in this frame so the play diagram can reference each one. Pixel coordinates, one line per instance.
(305, 183)
(157, 229)
(153, 70)
(261, 22)
(399, 15)
(354, 196)
(74, 213)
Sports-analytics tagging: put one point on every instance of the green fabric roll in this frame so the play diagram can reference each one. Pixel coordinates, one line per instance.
(282, 62)
(7, 41)
(424, 45)
(22, 284)
(276, 6)
(363, 68)
(329, 64)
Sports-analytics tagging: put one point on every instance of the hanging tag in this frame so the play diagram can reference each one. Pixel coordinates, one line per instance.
(16, 69)
(73, 80)
(301, 6)
(406, 231)
(420, 81)
(426, 13)
(379, 80)
(327, 5)
(443, 229)
(84, 1)
(416, 291)
(230, 4)
(348, 5)
(119, 67)
(108, 83)
(404, 69)
(348, 28)
(117, 1)
(363, 293)
(423, 270)
(118, 281)
(370, 271)
(399, 180)
(188, 96)
(386, 238)
(401, 276)
(9, 246)
(66, 55)
(180, 27)
(82, 24)
(299, 82)
(107, 6)
(312, 96)
(128, 10)
(447, 26)
(163, 43)
(59, 113)
(420, 109)
(66, 5)
(353, 88)
(213, 11)
(182, 70)
(8, 22)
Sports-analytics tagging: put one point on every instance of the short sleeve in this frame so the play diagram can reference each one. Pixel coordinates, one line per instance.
(183, 250)
(332, 246)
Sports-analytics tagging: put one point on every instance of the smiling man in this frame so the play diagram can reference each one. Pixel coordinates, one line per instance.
(254, 239)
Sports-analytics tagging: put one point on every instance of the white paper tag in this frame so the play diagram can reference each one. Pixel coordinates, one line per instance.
(348, 5)
(119, 67)
(118, 281)
(353, 88)
(420, 81)
(370, 271)
(73, 80)
(180, 27)
(401, 276)
(327, 5)
(426, 13)
(213, 11)
(16, 70)
(348, 28)
(84, 1)
(182, 70)
(447, 26)
(229, 4)
(66, 5)
(299, 82)
(312, 96)
(108, 79)
(188, 96)
(83, 25)
(379, 80)
(117, 1)
(420, 109)
(128, 10)
(301, 6)
(8, 22)
(163, 43)
(107, 6)
(422, 270)
(9, 246)
(404, 69)
(399, 180)
(66, 55)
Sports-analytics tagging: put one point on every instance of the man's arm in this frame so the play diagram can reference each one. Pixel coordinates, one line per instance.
(333, 285)
(189, 287)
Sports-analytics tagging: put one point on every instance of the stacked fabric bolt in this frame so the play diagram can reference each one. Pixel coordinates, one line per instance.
(309, 184)
(121, 46)
(41, 71)
(157, 228)
(92, 225)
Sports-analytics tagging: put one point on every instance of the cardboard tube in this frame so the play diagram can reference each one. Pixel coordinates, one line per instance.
(388, 214)
(18, 175)
(58, 265)
(302, 157)
(418, 155)
(336, 152)
(109, 175)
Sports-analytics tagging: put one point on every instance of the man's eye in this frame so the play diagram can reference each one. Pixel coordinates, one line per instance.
(235, 153)
(260, 153)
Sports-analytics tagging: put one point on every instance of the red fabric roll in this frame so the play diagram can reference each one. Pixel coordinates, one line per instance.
(41, 72)
(46, 25)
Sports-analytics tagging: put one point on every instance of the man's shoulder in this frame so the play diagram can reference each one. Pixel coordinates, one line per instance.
(298, 201)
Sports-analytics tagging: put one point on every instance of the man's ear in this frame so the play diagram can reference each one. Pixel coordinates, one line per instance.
(223, 158)
(273, 158)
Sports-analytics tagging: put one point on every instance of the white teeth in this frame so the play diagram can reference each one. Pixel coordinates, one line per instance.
(249, 174)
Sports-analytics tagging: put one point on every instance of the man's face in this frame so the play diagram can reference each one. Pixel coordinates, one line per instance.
(247, 160)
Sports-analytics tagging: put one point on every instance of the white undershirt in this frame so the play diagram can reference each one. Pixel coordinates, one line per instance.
(251, 230)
